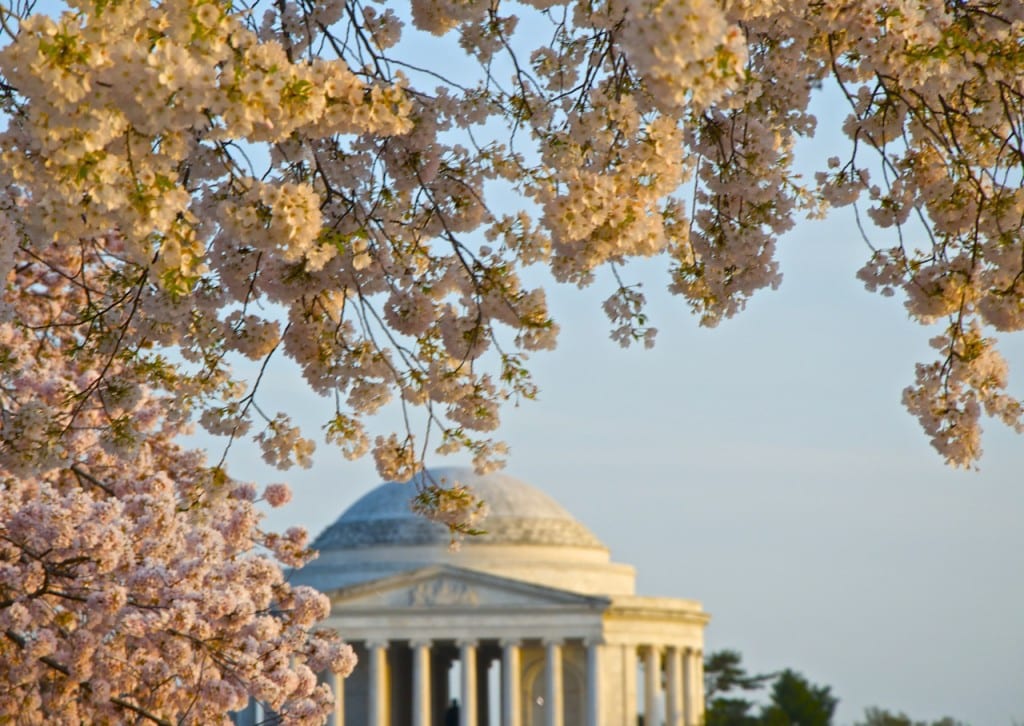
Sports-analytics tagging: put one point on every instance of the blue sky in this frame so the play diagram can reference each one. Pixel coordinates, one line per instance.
(767, 468)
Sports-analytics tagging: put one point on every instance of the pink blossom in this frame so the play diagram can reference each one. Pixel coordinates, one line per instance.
(183, 185)
(277, 495)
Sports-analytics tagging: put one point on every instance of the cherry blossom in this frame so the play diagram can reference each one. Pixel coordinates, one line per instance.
(188, 183)
(135, 580)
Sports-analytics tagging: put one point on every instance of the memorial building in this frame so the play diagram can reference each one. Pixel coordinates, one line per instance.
(530, 624)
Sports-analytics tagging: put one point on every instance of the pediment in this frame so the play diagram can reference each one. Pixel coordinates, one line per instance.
(454, 588)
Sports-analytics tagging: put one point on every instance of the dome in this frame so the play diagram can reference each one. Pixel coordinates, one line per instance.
(517, 514)
(528, 537)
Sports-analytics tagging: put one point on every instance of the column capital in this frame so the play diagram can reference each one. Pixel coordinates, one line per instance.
(552, 641)
(510, 642)
(421, 643)
(376, 643)
(594, 641)
(467, 642)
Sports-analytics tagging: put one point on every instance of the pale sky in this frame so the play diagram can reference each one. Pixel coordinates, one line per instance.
(768, 469)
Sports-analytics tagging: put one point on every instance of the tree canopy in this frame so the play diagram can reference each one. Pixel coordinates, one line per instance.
(881, 717)
(796, 701)
(358, 187)
(792, 698)
(724, 672)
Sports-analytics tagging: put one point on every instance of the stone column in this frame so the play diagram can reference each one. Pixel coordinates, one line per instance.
(337, 684)
(652, 682)
(689, 704)
(674, 677)
(467, 709)
(420, 682)
(628, 702)
(378, 699)
(595, 649)
(553, 683)
(511, 690)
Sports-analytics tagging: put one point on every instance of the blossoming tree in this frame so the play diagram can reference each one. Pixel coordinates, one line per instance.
(186, 182)
(135, 582)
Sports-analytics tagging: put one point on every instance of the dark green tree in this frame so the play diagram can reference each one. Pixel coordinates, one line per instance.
(730, 712)
(724, 672)
(880, 717)
(795, 701)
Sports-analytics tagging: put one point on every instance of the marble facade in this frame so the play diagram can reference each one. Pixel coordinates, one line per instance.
(542, 628)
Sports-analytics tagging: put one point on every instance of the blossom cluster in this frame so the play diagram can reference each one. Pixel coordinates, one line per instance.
(135, 580)
(452, 504)
(685, 52)
(187, 182)
(936, 94)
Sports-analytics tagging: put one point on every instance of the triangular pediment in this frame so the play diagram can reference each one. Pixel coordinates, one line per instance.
(454, 588)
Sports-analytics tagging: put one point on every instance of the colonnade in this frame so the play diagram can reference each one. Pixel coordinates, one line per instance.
(405, 683)
(677, 674)
(427, 690)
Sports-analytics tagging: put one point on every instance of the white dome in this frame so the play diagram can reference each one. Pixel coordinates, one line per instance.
(528, 536)
(517, 513)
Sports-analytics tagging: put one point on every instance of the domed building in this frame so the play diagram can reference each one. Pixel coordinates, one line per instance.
(530, 624)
